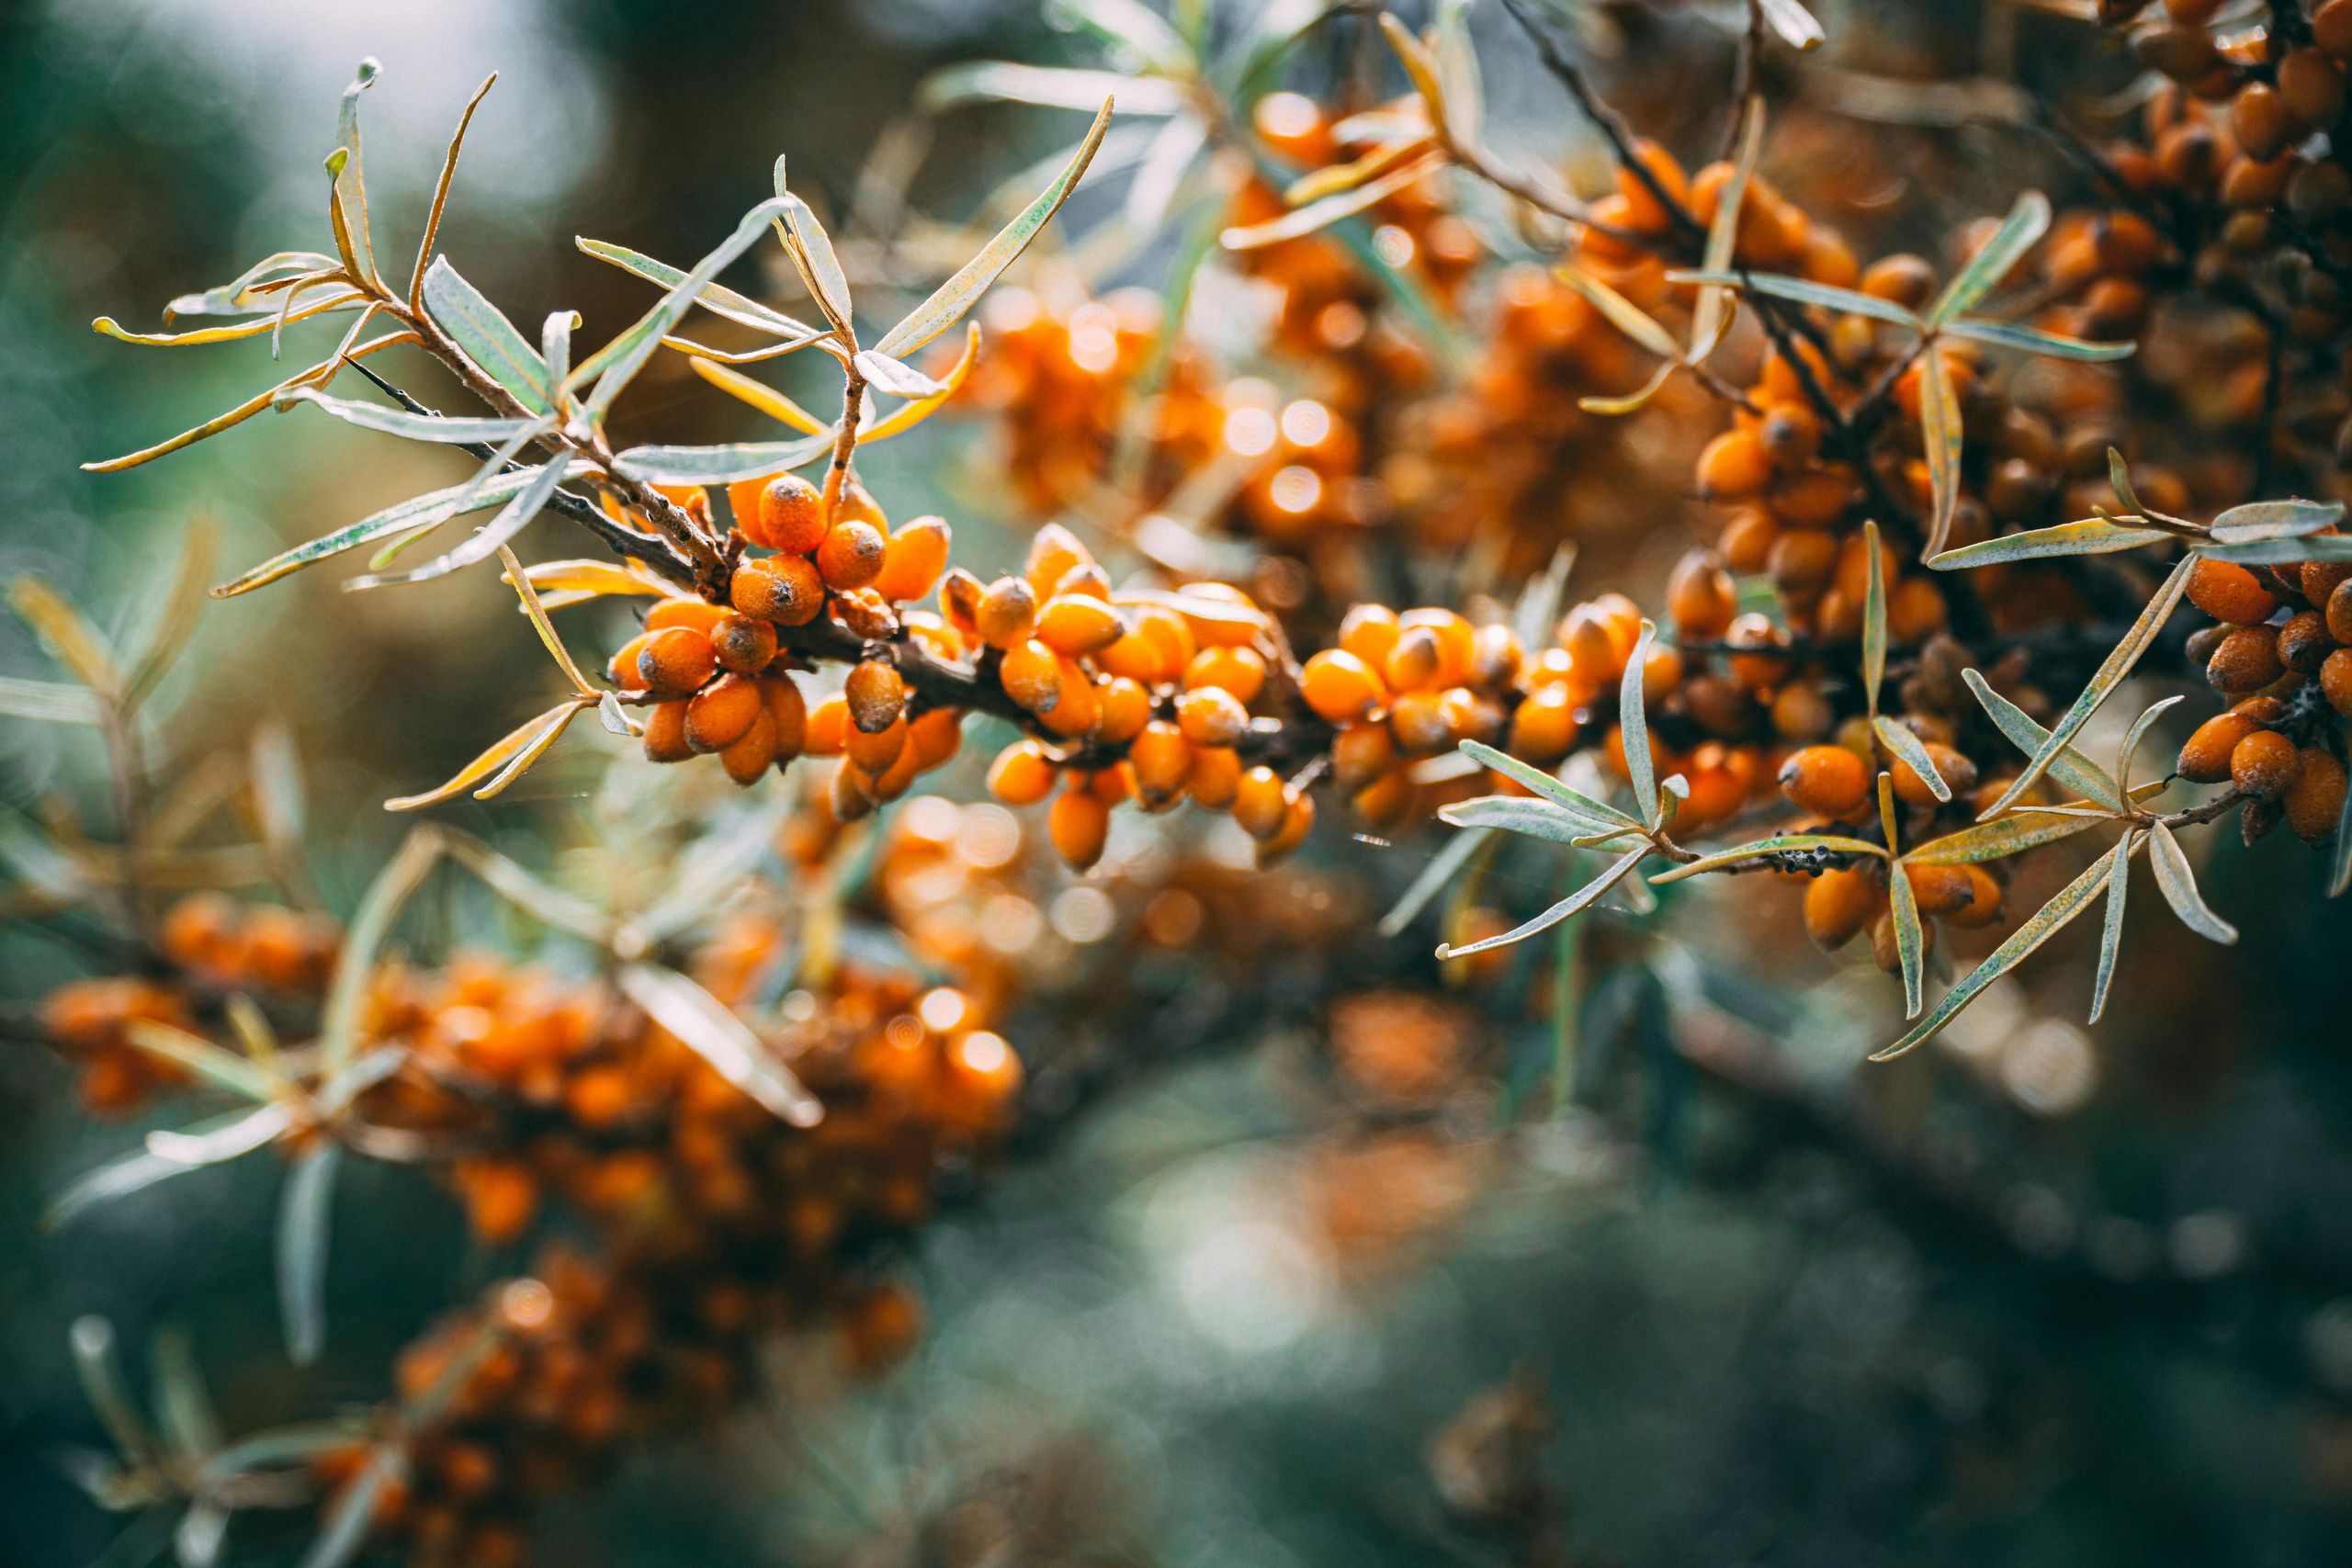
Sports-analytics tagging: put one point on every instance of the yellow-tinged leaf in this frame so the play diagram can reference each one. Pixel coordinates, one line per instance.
(581, 580)
(107, 326)
(765, 399)
(1622, 313)
(1940, 433)
(318, 375)
(67, 634)
(907, 415)
(1317, 184)
(521, 582)
(525, 744)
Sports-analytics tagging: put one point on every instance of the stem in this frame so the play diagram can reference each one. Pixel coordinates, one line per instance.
(845, 444)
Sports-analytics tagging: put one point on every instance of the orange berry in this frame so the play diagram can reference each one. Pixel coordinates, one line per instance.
(782, 589)
(1700, 597)
(2314, 801)
(2205, 757)
(2246, 660)
(912, 561)
(1079, 823)
(1984, 906)
(789, 712)
(1362, 753)
(1958, 773)
(1022, 775)
(750, 754)
(622, 667)
(696, 614)
(2228, 592)
(1054, 553)
(1457, 642)
(2336, 681)
(1215, 777)
(721, 713)
(1543, 727)
(874, 750)
(1240, 671)
(934, 735)
(1126, 708)
(1163, 761)
(1079, 624)
(1007, 612)
(1079, 706)
(1369, 631)
(876, 695)
(2264, 763)
(1031, 675)
(791, 517)
(1261, 803)
(826, 731)
(1827, 781)
(1838, 905)
(1940, 890)
(1733, 465)
(676, 661)
(743, 643)
(851, 553)
(1211, 715)
(1339, 686)
(1298, 821)
(856, 504)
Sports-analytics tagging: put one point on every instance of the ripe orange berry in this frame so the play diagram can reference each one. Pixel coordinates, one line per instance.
(1215, 778)
(696, 614)
(2263, 764)
(1984, 906)
(1079, 823)
(1298, 821)
(1240, 671)
(791, 517)
(1733, 465)
(1361, 752)
(789, 712)
(913, 559)
(874, 750)
(876, 695)
(1079, 624)
(1261, 803)
(2205, 757)
(1941, 889)
(856, 504)
(2336, 681)
(750, 754)
(1369, 631)
(1163, 761)
(2314, 801)
(2246, 660)
(721, 714)
(1007, 612)
(1211, 715)
(934, 735)
(1339, 686)
(1031, 675)
(744, 643)
(1837, 904)
(1958, 773)
(2228, 592)
(622, 669)
(675, 661)
(1126, 708)
(851, 553)
(1700, 596)
(1543, 727)
(1054, 553)
(1827, 781)
(827, 730)
(1022, 775)
(782, 589)
(1079, 706)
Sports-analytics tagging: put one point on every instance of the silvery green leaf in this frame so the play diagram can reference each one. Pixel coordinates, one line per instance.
(1939, 436)
(719, 300)
(2275, 520)
(1457, 71)
(2090, 536)
(721, 465)
(2179, 884)
(197, 1539)
(171, 625)
(2004, 837)
(215, 1065)
(2026, 224)
(1441, 869)
(216, 1142)
(2046, 922)
(613, 366)
(305, 1211)
(555, 347)
(1899, 739)
(2103, 682)
(1130, 25)
(364, 942)
(1160, 173)
(1712, 314)
(2275, 552)
(485, 541)
(1910, 940)
(409, 516)
(1050, 86)
(2110, 941)
(1575, 904)
(1521, 814)
(1622, 313)
(354, 1510)
(1793, 22)
(50, 701)
(2056, 345)
(2132, 736)
(1632, 720)
(116, 1179)
(1547, 786)
(2069, 767)
(184, 1410)
(896, 377)
(1760, 848)
(487, 338)
(452, 431)
(534, 896)
(350, 185)
(1531, 618)
(705, 1025)
(1873, 617)
(1804, 292)
(92, 1340)
(231, 298)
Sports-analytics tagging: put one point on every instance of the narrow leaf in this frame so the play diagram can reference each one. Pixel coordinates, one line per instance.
(2025, 225)
(1049, 87)
(1712, 312)
(957, 295)
(495, 344)
(214, 1064)
(1793, 22)
(67, 634)
(2179, 885)
(2273, 552)
(2110, 675)
(443, 428)
(529, 739)
(485, 541)
(717, 298)
(906, 416)
(1521, 814)
(2003, 837)
(1899, 739)
(2090, 536)
(304, 1215)
(1575, 904)
(2069, 767)
(1633, 719)
(1804, 292)
(354, 1511)
(317, 375)
(216, 1143)
(1762, 848)
(2000, 334)
(613, 366)
(363, 945)
(1873, 619)
(350, 185)
(721, 465)
(1939, 433)
(1434, 877)
(1546, 784)
(409, 516)
(2110, 941)
(704, 1024)
(2276, 520)
(761, 396)
(52, 702)
(2046, 922)
(1910, 941)
(1621, 313)
(1322, 213)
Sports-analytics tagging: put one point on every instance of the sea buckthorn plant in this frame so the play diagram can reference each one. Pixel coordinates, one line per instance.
(1922, 549)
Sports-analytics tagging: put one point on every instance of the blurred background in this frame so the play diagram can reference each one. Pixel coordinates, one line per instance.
(2044, 1296)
